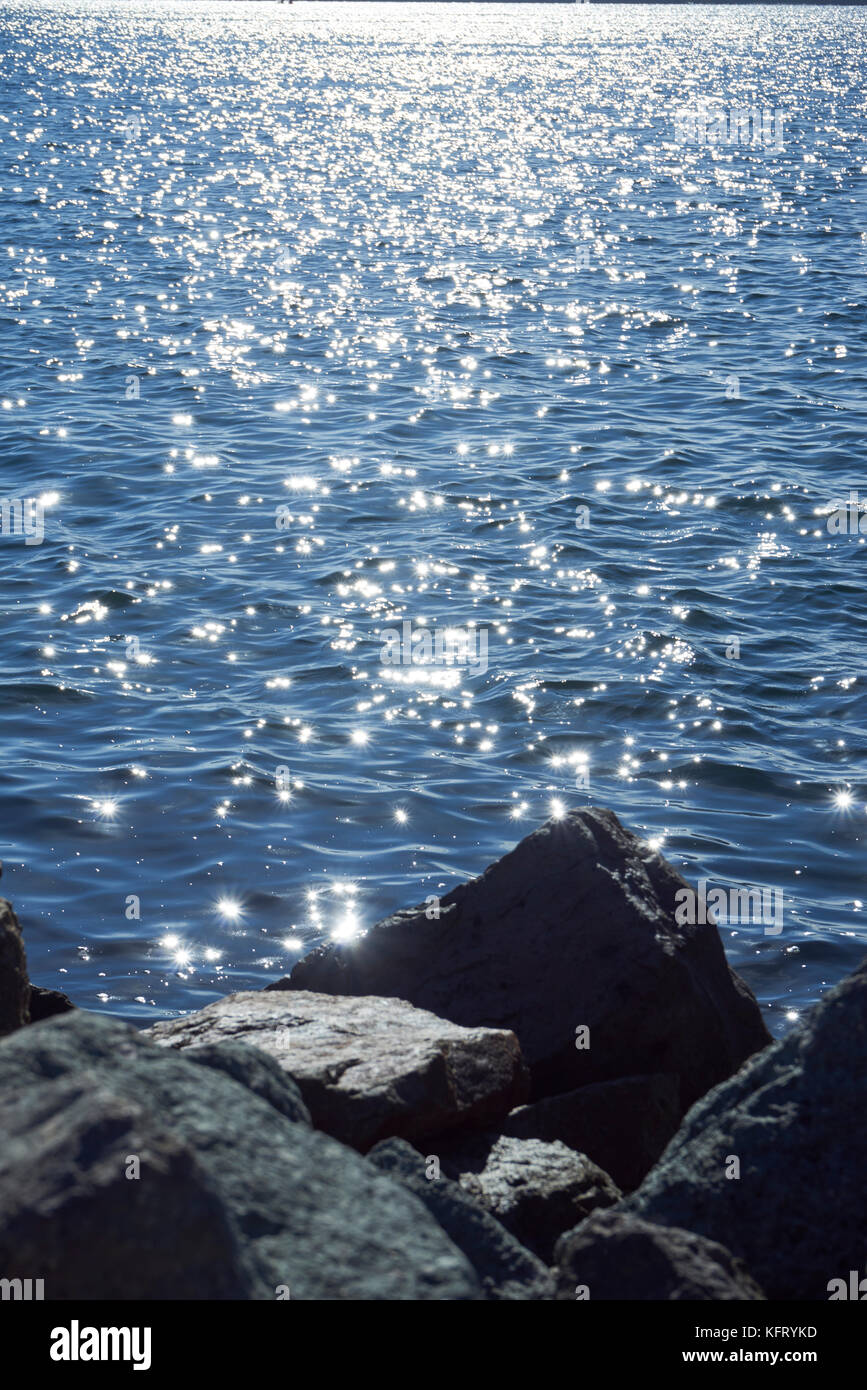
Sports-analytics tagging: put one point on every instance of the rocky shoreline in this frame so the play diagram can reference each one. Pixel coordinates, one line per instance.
(541, 1087)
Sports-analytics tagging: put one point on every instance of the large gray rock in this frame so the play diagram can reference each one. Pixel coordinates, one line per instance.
(622, 1125)
(615, 1256)
(70, 1215)
(14, 984)
(537, 1190)
(368, 1068)
(258, 1072)
(794, 1120)
(505, 1269)
(574, 928)
(232, 1198)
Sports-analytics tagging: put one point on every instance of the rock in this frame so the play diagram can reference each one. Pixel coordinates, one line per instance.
(258, 1072)
(14, 985)
(368, 1068)
(70, 1215)
(621, 1125)
(232, 1198)
(504, 1268)
(21, 1002)
(615, 1256)
(575, 928)
(794, 1120)
(537, 1190)
(45, 1003)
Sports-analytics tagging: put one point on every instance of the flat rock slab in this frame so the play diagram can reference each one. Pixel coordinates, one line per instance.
(368, 1068)
(772, 1163)
(616, 1256)
(574, 930)
(623, 1126)
(537, 1190)
(127, 1171)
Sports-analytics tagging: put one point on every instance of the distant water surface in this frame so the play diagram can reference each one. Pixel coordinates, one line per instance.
(431, 279)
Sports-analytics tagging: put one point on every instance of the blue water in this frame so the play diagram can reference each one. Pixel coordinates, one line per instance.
(431, 278)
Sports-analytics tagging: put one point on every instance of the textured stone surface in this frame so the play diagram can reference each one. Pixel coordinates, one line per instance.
(574, 928)
(537, 1190)
(616, 1256)
(506, 1270)
(70, 1215)
(795, 1119)
(622, 1125)
(368, 1068)
(14, 985)
(258, 1072)
(232, 1198)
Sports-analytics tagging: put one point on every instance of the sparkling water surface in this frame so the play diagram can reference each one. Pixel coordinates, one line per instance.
(322, 318)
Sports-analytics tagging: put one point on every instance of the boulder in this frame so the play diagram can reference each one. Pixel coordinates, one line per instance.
(772, 1162)
(229, 1198)
(537, 1190)
(99, 1200)
(45, 1003)
(368, 1069)
(258, 1072)
(621, 1125)
(574, 930)
(21, 1002)
(616, 1256)
(506, 1271)
(14, 984)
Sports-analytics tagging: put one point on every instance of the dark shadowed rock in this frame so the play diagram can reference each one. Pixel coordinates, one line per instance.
(574, 928)
(537, 1190)
(795, 1121)
(615, 1256)
(46, 1003)
(21, 1002)
(258, 1072)
(621, 1125)
(232, 1196)
(506, 1270)
(368, 1068)
(70, 1215)
(14, 985)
